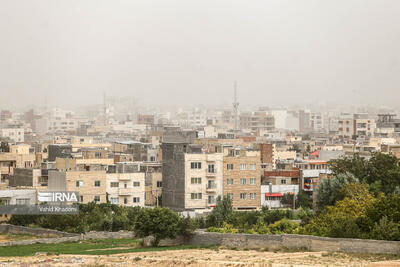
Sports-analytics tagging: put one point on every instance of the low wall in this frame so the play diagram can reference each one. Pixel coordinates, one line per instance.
(40, 232)
(49, 236)
(312, 243)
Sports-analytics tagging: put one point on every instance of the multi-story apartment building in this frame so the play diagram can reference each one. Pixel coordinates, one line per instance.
(56, 125)
(192, 179)
(355, 125)
(126, 188)
(257, 121)
(14, 134)
(242, 177)
(23, 177)
(91, 185)
(19, 156)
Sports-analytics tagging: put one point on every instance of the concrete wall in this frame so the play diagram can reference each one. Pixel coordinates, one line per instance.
(311, 243)
(49, 236)
(173, 175)
(40, 232)
(57, 181)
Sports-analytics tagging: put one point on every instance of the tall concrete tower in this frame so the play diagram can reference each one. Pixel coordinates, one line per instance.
(235, 108)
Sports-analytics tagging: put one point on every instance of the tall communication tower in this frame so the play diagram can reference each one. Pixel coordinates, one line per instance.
(105, 108)
(235, 108)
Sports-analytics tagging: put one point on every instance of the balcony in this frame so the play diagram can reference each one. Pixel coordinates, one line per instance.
(308, 187)
(125, 191)
(124, 178)
(211, 188)
(211, 173)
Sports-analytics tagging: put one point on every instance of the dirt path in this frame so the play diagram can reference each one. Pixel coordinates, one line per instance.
(200, 258)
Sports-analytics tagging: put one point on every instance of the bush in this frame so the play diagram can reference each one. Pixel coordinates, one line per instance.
(284, 226)
(385, 230)
(157, 222)
(227, 228)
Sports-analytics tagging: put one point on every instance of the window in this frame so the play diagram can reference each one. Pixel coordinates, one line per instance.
(96, 198)
(229, 181)
(283, 181)
(253, 167)
(196, 180)
(125, 200)
(97, 154)
(136, 199)
(114, 184)
(159, 184)
(242, 167)
(253, 180)
(229, 167)
(211, 199)
(230, 196)
(195, 196)
(79, 183)
(243, 195)
(253, 195)
(114, 200)
(136, 184)
(81, 197)
(22, 201)
(96, 183)
(195, 165)
(125, 185)
(211, 168)
(242, 180)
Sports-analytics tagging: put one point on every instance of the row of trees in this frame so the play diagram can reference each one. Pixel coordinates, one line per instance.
(361, 200)
(157, 222)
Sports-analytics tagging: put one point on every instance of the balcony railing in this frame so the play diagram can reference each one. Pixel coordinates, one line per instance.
(211, 172)
(125, 191)
(211, 187)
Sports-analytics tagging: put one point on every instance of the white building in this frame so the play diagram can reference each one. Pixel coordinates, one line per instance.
(18, 197)
(56, 125)
(14, 134)
(274, 200)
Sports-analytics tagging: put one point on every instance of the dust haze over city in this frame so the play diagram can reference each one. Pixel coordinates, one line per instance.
(283, 52)
(200, 133)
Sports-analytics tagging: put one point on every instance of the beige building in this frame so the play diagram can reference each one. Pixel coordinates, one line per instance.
(242, 177)
(91, 185)
(126, 188)
(203, 179)
(80, 164)
(18, 157)
(153, 188)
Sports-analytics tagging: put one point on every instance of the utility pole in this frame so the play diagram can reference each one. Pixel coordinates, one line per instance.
(235, 108)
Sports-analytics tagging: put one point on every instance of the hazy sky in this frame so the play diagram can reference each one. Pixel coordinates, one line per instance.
(176, 52)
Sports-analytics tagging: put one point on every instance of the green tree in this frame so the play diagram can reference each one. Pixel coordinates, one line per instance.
(222, 212)
(303, 200)
(157, 222)
(328, 191)
(381, 171)
(385, 229)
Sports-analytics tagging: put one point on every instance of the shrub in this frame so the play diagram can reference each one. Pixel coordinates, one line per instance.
(284, 226)
(385, 230)
(157, 222)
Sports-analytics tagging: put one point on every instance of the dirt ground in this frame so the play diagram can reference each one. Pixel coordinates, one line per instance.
(203, 257)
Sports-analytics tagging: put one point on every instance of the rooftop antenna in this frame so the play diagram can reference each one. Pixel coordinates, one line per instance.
(105, 108)
(235, 107)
